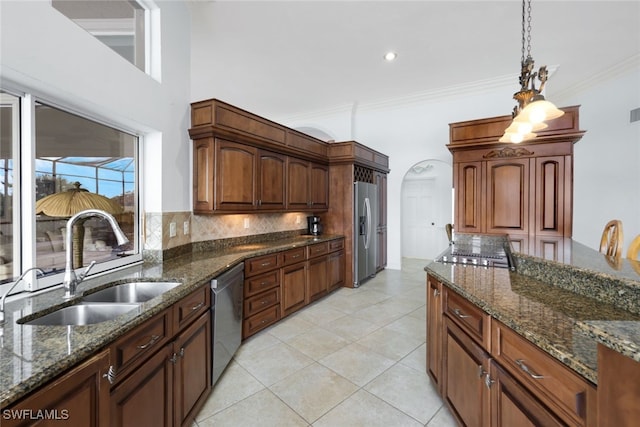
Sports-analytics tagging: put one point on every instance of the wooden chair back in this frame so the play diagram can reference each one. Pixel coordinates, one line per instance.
(611, 241)
(634, 249)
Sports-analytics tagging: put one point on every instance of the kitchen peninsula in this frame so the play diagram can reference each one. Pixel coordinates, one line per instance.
(545, 344)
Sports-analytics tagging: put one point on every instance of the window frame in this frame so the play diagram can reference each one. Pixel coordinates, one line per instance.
(24, 244)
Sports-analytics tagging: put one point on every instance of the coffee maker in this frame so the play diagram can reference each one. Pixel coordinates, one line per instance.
(313, 225)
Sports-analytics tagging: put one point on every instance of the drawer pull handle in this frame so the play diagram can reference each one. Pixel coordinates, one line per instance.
(264, 264)
(194, 308)
(528, 370)
(296, 256)
(458, 313)
(153, 340)
(263, 302)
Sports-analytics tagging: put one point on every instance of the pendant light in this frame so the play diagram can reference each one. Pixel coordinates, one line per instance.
(532, 110)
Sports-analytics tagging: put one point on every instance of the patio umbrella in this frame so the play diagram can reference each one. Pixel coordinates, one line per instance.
(65, 204)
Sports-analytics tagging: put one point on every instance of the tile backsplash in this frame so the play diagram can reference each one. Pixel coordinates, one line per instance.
(212, 227)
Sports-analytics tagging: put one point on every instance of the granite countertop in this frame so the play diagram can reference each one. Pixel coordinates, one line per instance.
(566, 307)
(32, 355)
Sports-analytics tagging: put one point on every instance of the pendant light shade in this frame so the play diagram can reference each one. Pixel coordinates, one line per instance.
(532, 110)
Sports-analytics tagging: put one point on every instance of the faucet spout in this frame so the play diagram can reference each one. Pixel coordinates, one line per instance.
(70, 280)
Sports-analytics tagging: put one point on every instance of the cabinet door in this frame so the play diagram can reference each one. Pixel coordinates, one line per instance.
(434, 331)
(463, 387)
(513, 405)
(236, 176)
(319, 186)
(203, 175)
(335, 270)
(468, 183)
(316, 278)
(192, 383)
(380, 179)
(550, 191)
(297, 184)
(293, 295)
(507, 183)
(80, 398)
(272, 181)
(145, 398)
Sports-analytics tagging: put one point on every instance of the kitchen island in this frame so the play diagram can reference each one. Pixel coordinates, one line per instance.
(565, 307)
(31, 356)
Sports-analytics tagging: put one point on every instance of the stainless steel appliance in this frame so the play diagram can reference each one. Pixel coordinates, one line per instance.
(313, 225)
(478, 251)
(365, 242)
(226, 311)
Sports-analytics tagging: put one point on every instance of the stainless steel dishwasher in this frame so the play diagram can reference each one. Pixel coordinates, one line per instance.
(226, 313)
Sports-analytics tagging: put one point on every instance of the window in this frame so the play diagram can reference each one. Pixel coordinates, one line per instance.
(122, 25)
(75, 160)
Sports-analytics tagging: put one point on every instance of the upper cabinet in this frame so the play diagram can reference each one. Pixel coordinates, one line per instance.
(245, 163)
(524, 190)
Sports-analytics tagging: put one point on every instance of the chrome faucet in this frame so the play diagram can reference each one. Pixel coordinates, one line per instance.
(11, 288)
(70, 280)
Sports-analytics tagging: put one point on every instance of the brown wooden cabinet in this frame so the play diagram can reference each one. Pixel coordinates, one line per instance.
(490, 376)
(380, 179)
(524, 190)
(308, 185)
(463, 380)
(272, 181)
(79, 397)
(434, 331)
(317, 271)
(335, 270)
(294, 287)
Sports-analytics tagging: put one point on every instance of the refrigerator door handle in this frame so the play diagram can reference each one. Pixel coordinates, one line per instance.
(367, 207)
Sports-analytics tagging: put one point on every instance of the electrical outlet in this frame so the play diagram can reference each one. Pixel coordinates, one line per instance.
(172, 229)
(186, 227)
(298, 219)
(246, 222)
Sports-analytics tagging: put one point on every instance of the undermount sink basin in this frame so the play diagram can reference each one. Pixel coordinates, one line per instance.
(83, 314)
(132, 292)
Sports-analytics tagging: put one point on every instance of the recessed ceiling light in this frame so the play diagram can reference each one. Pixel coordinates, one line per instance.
(390, 56)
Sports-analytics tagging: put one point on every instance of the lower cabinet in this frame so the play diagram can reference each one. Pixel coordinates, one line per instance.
(463, 386)
(79, 397)
(489, 375)
(279, 284)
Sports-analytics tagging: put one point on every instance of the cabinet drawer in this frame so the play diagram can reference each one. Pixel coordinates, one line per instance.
(470, 318)
(261, 283)
(260, 321)
(261, 301)
(317, 249)
(136, 346)
(191, 307)
(336, 245)
(555, 384)
(261, 264)
(292, 256)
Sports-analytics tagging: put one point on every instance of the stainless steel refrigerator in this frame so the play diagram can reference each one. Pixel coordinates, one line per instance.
(365, 243)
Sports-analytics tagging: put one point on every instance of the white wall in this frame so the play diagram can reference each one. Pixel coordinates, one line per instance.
(46, 53)
(607, 159)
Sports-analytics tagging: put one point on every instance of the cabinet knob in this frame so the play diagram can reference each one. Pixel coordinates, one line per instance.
(488, 381)
(174, 358)
(110, 375)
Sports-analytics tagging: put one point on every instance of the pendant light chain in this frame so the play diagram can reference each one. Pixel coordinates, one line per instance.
(526, 29)
(529, 28)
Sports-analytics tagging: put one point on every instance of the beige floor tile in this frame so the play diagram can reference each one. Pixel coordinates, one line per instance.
(351, 328)
(379, 314)
(320, 313)
(274, 363)
(313, 391)
(318, 343)
(390, 344)
(255, 344)
(442, 419)
(407, 390)
(416, 359)
(420, 313)
(234, 385)
(357, 363)
(365, 410)
(290, 327)
(410, 326)
(262, 409)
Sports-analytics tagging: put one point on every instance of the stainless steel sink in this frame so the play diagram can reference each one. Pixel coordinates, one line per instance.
(83, 314)
(132, 292)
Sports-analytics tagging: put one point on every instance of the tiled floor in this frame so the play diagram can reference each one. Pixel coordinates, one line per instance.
(354, 358)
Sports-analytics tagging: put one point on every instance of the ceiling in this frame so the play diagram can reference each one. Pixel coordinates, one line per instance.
(282, 59)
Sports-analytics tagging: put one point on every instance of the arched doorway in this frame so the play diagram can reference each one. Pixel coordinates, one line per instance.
(426, 206)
